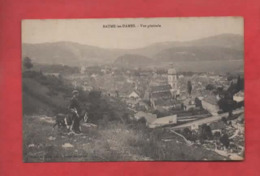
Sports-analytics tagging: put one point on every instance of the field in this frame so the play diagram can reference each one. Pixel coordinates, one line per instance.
(110, 141)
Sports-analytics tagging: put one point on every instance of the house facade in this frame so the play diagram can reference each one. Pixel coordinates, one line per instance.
(163, 121)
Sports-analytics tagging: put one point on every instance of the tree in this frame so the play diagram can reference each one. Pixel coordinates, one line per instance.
(217, 135)
(227, 104)
(240, 84)
(189, 87)
(187, 133)
(210, 87)
(224, 139)
(27, 63)
(205, 132)
(94, 96)
(198, 103)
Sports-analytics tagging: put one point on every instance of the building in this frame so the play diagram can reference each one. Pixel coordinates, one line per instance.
(160, 88)
(162, 104)
(149, 117)
(82, 69)
(239, 97)
(134, 95)
(161, 97)
(163, 121)
(172, 78)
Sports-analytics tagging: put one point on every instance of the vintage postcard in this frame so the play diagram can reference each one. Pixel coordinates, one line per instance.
(133, 89)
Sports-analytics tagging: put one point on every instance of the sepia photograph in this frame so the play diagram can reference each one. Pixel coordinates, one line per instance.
(133, 89)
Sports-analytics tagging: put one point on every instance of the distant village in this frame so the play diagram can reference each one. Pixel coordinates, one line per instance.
(186, 102)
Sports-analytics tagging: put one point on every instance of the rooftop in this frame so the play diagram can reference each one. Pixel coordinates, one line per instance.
(211, 99)
(164, 102)
(157, 95)
(164, 121)
(165, 87)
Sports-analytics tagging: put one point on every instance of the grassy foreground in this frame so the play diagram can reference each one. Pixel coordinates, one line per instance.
(109, 141)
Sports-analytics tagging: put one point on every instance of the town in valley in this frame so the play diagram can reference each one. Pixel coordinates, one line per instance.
(205, 108)
(178, 96)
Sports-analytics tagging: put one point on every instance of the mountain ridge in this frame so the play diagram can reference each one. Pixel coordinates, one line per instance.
(219, 47)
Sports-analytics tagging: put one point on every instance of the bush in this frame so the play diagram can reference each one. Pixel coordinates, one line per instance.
(27, 63)
(205, 132)
(142, 120)
(224, 139)
(217, 135)
(190, 135)
(198, 102)
(210, 87)
(187, 133)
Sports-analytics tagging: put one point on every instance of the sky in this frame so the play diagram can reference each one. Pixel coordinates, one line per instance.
(93, 32)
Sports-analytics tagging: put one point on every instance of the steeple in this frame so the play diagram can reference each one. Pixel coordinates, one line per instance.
(172, 78)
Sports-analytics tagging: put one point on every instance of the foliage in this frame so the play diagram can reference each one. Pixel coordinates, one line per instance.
(115, 141)
(224, 139)
(27, 63)
(205, 132)
(187, 133)
(226, 103)
(57, 93)
(217, 135)
(210, 87)
(44, 93)
(240, 83)
(198, 102)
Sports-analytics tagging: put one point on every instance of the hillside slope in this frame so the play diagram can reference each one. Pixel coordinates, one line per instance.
(68, 53)
(44, 94)
(71, 53)
(109, 141)
(199, 53)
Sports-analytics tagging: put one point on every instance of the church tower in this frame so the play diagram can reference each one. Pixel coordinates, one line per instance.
(172, 78)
